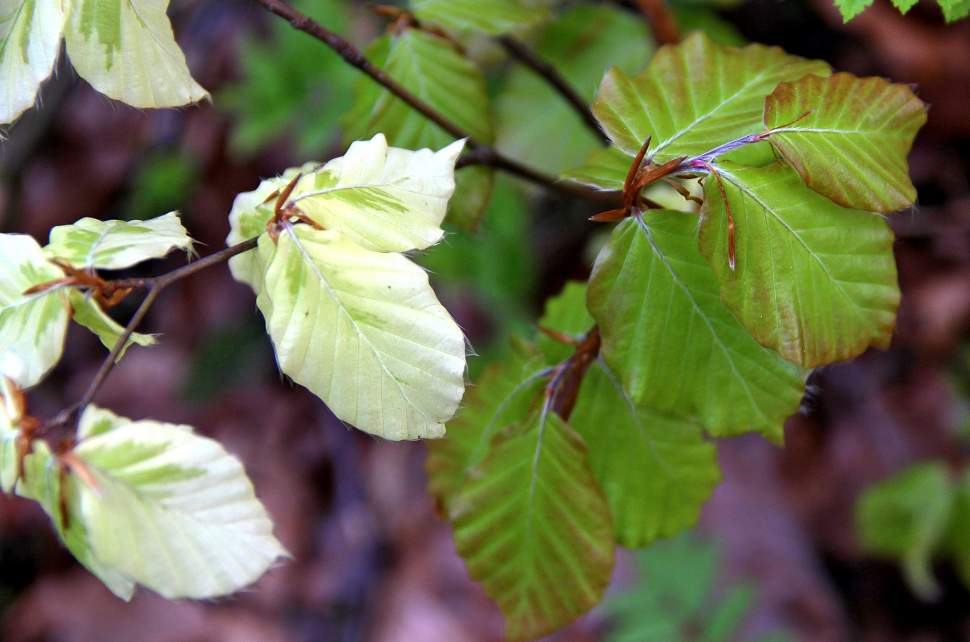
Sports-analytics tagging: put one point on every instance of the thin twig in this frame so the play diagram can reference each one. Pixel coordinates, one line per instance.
(661, 21)
(547, 72)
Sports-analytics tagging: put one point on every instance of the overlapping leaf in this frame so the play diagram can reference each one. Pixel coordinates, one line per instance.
(494, 17)
(113, 245)
(434, 71)
(695, 96)
(30, 37)
(814, 281)
(952, 9)
(126, 50)
(32, 326)
(88, 313)
(671, 341)
(534, 528)
(10, 415)
(848, 137)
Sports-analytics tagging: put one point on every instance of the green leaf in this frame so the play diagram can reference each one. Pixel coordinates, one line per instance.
(382, 198)
(848, 137)
(904, 5)
(10, 415)
(814, 281)
(604, 169)
(114, 245)
(363, 331)
(851, 8)
(955, 539)
(30, 37)
(955, 9)
(494, 17)
(32, 327)
(694, 96)
(535, 124)
(507, 393)
(534, 528)
(904, 518)
(89, 314)
(434, 71)
(671, 341)
(566, 313)
(127, 51)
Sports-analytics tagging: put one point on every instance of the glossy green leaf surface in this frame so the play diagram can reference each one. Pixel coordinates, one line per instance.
(694, 96)
(534, 528)
(30, 38)
(814, 281)
(494, 17)
(848, 137)
(673, 344)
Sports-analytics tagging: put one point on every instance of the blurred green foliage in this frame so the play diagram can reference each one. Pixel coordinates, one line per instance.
(164, 182)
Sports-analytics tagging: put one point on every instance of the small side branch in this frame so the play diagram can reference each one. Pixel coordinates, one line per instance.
(661, 21)
(549, 73)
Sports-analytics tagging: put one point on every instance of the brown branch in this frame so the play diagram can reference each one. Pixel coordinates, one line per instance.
(661, 21)
(549, 73)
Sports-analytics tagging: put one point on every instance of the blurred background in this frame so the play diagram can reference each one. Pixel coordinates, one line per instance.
(784, 550)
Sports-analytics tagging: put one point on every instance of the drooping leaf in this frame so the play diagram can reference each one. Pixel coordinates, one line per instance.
(814, 281)
(694, 96)
(382, 198)
(127, 51)
(507, 393)
(30, 37)
(32, 326)
(89, 314)
(114, 245)
(671, 341)
(904, 5)
(535, 124)
(362, 330)
(905, 518)
(534, 527)
(851, 8)
(848, 137)
(954, 9)
(434, 71)
(494, 17)
(10, 415)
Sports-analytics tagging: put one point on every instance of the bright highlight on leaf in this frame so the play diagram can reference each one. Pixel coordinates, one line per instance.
(814, 281)
(32, 326)
(114, 245)
(494, 17)
(534, 528)
(848, 137)
(30, 37)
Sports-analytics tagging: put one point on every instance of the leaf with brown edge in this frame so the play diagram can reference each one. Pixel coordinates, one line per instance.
(534, 527)
(848, 137)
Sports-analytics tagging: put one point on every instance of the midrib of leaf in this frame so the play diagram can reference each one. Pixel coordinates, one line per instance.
(33, 298)
(699, 312)
(89, 260)
(13, 18)
(376, 186)
(363, 337)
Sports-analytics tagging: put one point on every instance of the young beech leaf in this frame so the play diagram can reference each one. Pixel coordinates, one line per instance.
(30, 37)
(905, 517)
(814, 281)
(10, 414)
(605, 168)
(534, 527)
(506, 393)
(114, 245)
(432, 69)
(127, 51)
(162, 507)
(89, 314)
(656, 471)
(848, 137)
(32, 326)
(694, 96)
(673, 344)
(494, 17)
(362, 330)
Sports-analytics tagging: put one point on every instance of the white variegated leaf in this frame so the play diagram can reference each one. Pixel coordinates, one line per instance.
(89, 314)
(114, 245)
(126, 50)
(30, 37)
(10, 414)
(362, 330)
(32, 327)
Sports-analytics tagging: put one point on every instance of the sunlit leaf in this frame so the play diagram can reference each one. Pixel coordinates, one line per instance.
(10, 415)
(113, 245)
(432, 69)
(30, 37)
(126, 50)
(848, 137)
(89, 314)
(32, 326)
(814, 281)
(362, 330)
(534, 528)
(851, 8)
(695, 96)
(493, 17)
(671, 341)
